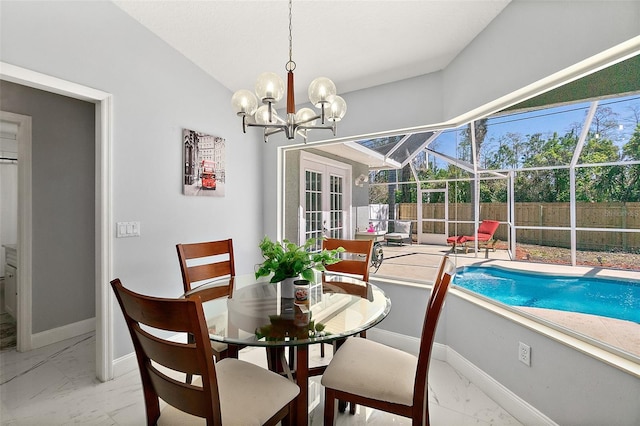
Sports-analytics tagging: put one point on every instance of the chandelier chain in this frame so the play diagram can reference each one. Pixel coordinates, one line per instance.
(291, 65)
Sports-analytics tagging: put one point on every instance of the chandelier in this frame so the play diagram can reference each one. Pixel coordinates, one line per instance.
(269, 89)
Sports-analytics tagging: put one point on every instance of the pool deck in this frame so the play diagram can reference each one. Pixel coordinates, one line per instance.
(419, 262)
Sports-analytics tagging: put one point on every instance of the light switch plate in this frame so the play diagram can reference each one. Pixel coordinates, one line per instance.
(127, 229)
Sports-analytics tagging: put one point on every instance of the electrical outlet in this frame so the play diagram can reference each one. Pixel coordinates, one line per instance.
(524, 354)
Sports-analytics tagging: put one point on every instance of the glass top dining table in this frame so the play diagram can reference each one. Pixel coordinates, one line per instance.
(255, 314)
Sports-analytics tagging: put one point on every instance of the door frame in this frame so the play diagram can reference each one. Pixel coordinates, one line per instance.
(25, 220)
(324, 163)
(433, 238)
(103, 212)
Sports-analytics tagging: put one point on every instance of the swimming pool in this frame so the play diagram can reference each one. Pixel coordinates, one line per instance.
(597, 296)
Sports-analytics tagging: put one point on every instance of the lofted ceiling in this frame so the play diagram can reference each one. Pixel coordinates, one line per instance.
(356, 43)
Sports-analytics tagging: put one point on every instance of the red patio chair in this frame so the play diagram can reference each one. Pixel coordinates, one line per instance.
(485, 237)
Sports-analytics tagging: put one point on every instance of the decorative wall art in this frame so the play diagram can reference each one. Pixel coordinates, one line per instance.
(204, 164)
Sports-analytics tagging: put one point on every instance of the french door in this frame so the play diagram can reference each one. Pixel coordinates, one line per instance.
(325, 198)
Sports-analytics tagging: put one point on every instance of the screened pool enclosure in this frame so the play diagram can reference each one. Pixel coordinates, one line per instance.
(565, 176)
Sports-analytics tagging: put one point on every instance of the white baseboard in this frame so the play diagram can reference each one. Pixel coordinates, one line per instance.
(124, 365)
(517, 407)
(59, 334)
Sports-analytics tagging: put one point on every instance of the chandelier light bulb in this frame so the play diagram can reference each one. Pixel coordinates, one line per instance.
(262, 115)
(337, 109)
(244, 102)
(304, 115)
(319, 90)
(269, 87)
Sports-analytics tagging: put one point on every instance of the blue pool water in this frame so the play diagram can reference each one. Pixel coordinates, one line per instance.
(604, 297)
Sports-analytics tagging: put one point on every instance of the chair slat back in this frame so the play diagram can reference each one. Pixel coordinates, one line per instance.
(356, 258)
(147, 319)
(434, 308)
(195, 267)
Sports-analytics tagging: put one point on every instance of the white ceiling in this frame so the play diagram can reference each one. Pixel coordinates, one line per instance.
(356, 43)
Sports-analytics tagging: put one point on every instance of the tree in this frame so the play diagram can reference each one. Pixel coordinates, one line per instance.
(631, 151)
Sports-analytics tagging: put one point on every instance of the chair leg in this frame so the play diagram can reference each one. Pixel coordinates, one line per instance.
(329, 407)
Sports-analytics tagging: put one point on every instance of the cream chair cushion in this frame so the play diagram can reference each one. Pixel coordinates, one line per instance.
(373, 370)
(249, 395)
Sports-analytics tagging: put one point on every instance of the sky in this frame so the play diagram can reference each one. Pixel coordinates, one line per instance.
(559, 119)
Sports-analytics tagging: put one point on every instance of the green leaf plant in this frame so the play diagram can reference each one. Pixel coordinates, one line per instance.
(288, 260)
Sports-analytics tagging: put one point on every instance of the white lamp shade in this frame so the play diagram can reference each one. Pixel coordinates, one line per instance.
(305, 114)
(320, 89)
(262, 115)
(244, 102)
(269, 85)
(337, 109)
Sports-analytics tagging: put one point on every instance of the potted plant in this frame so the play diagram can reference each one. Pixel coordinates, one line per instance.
(289, 260)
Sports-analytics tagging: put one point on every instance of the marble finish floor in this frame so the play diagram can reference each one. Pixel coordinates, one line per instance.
(56, 385)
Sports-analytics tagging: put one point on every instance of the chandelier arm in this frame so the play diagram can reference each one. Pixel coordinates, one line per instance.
(300, 123)
(331, 127)
(276, 127)
(268, 131)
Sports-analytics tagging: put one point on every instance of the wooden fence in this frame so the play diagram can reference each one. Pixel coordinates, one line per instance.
(588, 215)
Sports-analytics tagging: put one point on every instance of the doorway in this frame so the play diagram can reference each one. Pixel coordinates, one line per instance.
(17, 232)
(433, 216)
(103, 225)
(8, 231)
(325, 198)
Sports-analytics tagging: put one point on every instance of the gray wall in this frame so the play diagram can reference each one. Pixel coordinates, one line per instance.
(156, 93)
(63, 144)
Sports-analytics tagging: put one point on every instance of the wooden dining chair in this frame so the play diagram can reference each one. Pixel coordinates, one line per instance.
(355, 260)
(202, 262)
(227, 392)
(388, 379)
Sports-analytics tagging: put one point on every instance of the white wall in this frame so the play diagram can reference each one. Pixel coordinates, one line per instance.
(156, 92)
